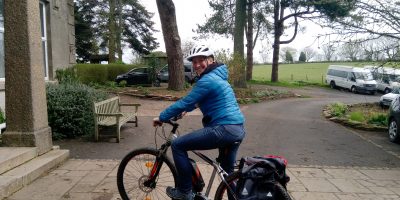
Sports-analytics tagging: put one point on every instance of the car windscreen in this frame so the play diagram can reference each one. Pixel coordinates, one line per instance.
(395, 90)
(364, 76)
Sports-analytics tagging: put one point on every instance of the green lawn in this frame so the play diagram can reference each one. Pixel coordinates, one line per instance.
(308, 72)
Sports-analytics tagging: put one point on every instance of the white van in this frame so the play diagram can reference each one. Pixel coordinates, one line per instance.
(386, 78)
(355, 79)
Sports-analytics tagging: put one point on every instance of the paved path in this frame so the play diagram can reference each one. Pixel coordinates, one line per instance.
(82, 179)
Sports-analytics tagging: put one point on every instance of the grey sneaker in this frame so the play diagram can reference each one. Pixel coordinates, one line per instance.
(174, 193)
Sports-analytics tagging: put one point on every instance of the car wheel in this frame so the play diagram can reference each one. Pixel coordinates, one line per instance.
(353, 89)
(393, 131)
(387, 90)
(333, 85)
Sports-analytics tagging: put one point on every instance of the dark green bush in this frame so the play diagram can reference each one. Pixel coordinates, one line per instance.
(98, 73)
(70, 109)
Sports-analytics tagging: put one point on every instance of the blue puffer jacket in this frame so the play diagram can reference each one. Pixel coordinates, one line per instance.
(213, 95)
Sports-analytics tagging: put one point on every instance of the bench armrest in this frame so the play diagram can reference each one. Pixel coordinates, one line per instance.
(110, 114)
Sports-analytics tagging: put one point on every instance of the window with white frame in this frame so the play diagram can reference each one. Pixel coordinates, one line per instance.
(43, 25)
(43, 28)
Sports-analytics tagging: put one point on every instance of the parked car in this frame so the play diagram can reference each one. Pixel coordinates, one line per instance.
(387, 99)
(136, 76)
(394, 121)
(163, 74)
(355, 79)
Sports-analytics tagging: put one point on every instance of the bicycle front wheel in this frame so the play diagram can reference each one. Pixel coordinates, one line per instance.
(135, 169)
(223, 192)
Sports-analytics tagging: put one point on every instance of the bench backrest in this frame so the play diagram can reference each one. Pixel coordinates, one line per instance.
(107, 106)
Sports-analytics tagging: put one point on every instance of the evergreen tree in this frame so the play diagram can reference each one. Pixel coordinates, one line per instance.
(302, 57)
(85, 41)
(288, 57)
(121, 22)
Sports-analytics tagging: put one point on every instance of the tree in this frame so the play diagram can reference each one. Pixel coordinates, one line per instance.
(302, 57)
(310, 53)
(374, 18)
(328, 50)
(264, 52)
(350, 50)
(118, 23)
(187, 46)
(111, 32)
(85, 39)
(288, 57)
(321, 9)
(166, 9)
(222, 22)
(284, 51)
(238, 48)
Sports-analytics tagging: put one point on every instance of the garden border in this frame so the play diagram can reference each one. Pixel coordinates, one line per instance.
(351, 123)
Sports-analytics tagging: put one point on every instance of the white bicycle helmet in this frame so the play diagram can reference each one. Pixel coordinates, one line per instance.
(200, 50)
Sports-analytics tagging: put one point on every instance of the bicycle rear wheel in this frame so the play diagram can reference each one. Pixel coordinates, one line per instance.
(135, 169)
(222, 191)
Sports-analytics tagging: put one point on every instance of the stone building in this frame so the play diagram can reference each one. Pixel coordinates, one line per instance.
(57, 36)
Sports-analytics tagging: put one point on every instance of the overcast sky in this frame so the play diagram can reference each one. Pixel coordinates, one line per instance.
(192, 12)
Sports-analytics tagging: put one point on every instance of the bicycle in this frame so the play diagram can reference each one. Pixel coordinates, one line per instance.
(142, 174)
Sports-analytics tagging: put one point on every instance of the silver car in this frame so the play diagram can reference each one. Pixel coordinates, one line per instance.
(190, 75)
(387, 99)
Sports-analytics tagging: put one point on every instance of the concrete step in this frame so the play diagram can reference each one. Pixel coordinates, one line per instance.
(11, 157)
(13, 180)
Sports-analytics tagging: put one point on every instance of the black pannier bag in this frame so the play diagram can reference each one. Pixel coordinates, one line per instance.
(259, 176)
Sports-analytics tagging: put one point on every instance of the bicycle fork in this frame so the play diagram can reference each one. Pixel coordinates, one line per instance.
(156, 167)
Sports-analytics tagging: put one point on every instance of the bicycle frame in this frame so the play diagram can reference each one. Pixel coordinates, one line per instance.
(151, 182)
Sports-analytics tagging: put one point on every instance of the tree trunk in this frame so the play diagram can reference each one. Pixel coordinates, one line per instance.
(119, 31)
(166, 9)
(278, 26)
(239, 68)
(112, 33)
(249, 70)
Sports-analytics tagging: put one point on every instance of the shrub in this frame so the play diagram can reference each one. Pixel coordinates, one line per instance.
(98, 73)
(357, 116)
(123, 83)
(67, 75)
(378, 119)
(70, 109)
(337, 109)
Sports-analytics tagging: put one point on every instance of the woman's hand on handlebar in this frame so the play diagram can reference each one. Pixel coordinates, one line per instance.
(157, 122)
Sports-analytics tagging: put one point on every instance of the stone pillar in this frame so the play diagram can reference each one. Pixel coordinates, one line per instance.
(26, 106)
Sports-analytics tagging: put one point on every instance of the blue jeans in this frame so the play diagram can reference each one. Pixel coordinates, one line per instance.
(226, 138)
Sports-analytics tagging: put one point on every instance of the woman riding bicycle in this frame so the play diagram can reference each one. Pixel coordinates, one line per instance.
(222, 120)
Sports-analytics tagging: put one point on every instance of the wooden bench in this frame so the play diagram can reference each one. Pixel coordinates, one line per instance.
(108, 113)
